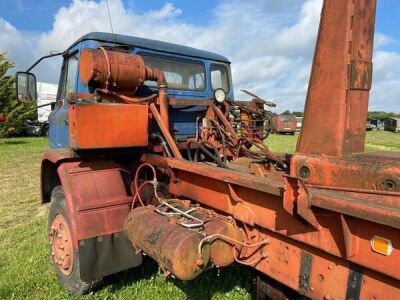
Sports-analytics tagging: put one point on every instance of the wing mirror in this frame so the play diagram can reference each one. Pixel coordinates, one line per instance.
(26, 87)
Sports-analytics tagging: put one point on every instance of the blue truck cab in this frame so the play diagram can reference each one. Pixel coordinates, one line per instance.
(190, 73)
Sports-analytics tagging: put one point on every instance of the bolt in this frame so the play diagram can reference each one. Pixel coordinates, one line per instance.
(330, 267)
(173, 221)
(62, 258)
(312, 288)
(186, 204)
(52, 253)
(199, 262)
(59, 235)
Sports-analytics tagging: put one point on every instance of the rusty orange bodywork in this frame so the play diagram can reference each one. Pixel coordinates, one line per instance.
(321, 216)
(94, 126)
(340, 80)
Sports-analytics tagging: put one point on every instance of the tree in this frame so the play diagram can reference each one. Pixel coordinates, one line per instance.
(15, 113)
(6, 82)
(298, 113)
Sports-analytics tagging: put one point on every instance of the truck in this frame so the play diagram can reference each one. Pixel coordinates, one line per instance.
(286, 124)
(46, 96)
(150, 154)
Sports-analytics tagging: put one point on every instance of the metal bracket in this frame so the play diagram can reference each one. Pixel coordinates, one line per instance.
(296, 200)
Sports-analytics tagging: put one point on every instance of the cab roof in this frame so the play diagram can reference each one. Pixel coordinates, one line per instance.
(151, 45)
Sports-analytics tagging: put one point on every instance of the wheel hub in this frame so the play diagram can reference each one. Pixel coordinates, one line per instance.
(61, 244)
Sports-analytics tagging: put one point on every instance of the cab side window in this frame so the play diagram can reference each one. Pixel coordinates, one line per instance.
(69, 76)
(219, 77)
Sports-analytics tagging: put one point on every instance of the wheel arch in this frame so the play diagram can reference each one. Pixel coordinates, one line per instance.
(49, 177)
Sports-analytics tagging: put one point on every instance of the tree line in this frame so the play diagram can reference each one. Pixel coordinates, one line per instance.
(379, 115)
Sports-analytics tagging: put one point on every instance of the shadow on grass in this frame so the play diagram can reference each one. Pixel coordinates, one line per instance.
(211, 282)
(217, 281)
(121, 280)
(18, 142)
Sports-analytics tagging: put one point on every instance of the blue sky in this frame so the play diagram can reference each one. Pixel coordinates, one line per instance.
(37, 15)
(274, 37)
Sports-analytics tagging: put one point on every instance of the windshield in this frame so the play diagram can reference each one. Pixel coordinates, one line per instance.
(180, 74)
(288, 118)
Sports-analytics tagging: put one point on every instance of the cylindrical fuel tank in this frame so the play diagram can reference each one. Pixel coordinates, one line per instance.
(221, 254)
(171, 245)
(123, 71)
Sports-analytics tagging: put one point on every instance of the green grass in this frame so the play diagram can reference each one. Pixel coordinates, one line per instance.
(375, 141)
(25, 267)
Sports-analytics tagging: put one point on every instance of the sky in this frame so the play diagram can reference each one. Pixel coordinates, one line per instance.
(270, 42)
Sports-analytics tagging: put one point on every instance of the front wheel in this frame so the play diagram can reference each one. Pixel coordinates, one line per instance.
(65, 258)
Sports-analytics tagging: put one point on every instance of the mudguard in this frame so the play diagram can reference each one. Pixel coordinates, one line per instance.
(97, 199)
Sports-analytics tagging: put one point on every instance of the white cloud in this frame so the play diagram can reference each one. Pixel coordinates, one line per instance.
(15, 44)
(270, 43)
(381, 40)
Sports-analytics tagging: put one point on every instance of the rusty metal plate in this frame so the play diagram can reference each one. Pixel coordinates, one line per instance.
(96, 125)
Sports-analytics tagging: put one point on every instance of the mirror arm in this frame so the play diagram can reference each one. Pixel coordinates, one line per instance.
(43, 57)
(43, 105)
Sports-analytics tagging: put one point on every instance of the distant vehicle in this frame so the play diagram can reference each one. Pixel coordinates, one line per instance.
(47, 94)
(370, 126)
(299, 123)
(378, 124)
(284, 124)
(2, 118)
(392, 124)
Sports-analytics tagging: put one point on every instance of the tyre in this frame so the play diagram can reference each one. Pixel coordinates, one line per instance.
(45, 131)
(65, 258)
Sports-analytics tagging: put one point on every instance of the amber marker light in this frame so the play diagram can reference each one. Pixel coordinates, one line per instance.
(381, 245)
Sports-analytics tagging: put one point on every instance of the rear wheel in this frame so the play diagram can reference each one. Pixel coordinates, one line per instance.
(65, 258)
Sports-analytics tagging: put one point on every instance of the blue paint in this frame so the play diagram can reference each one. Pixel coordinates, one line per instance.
(182, 119)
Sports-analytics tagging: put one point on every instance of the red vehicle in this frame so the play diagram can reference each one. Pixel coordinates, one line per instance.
(3, 118)
(139, 163)
(284, 124)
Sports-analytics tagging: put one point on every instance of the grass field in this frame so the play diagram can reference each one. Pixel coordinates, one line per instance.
(25, 268)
